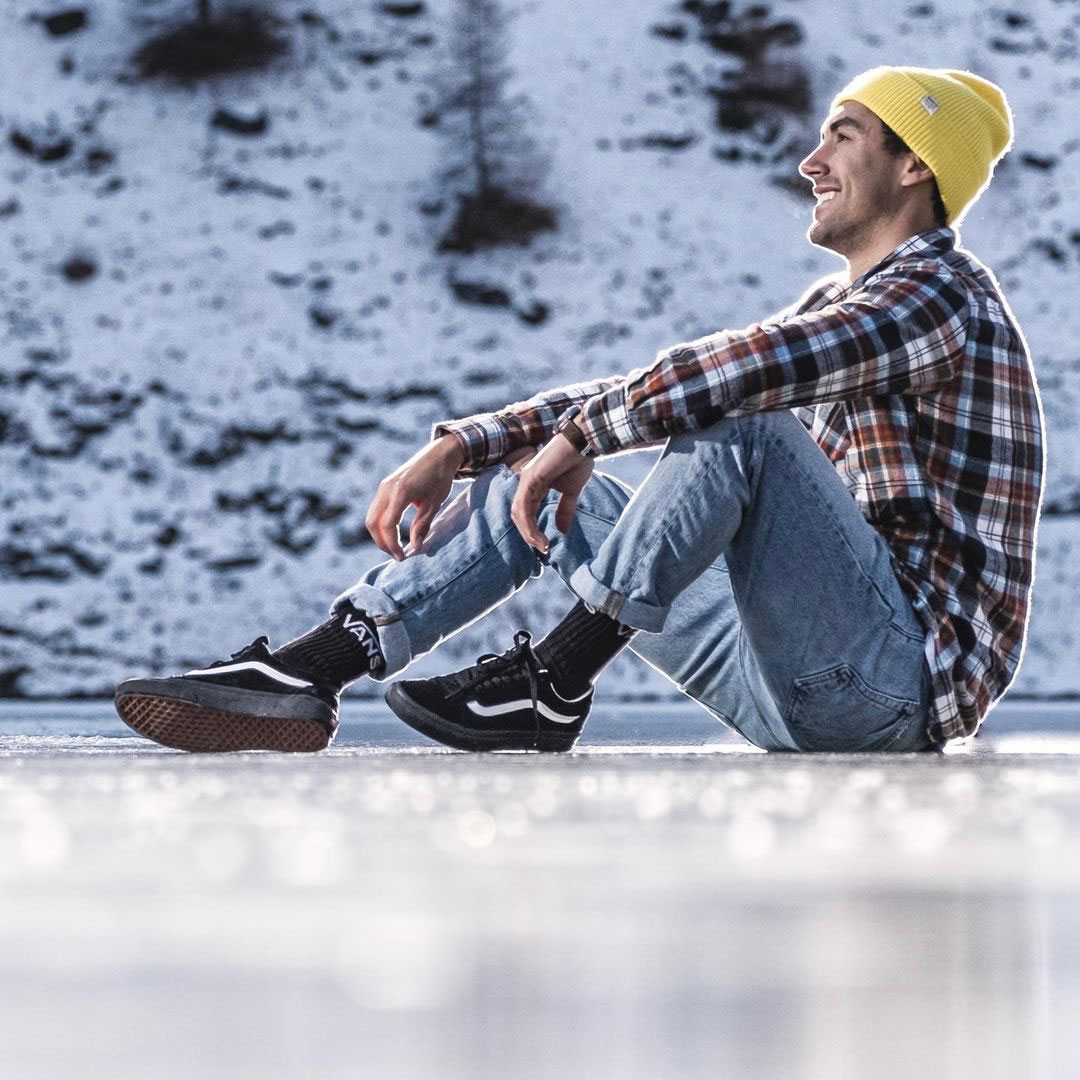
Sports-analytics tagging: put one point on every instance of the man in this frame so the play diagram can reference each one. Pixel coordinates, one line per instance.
(835, 550)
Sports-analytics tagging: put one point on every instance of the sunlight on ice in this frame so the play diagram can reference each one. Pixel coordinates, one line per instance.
(476, 828)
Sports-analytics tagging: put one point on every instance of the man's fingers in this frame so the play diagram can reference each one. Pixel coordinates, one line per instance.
(418, 532)
(526, 509)
(564, 513)
(384, 517)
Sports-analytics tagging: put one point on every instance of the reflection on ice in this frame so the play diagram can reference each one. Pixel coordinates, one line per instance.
(638, 909)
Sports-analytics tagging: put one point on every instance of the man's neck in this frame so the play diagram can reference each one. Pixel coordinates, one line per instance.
(882, 245)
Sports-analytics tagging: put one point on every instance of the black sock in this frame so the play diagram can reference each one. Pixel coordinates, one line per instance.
(580, 647)
(337, 651)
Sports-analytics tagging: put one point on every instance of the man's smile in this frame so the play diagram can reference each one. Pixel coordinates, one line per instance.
(824, 196)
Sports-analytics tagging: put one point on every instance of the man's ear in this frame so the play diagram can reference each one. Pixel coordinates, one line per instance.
(915, 171)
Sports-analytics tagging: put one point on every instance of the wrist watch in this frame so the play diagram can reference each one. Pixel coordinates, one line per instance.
(570, 431)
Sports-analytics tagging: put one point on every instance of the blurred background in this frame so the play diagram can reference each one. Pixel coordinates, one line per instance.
(251, 252)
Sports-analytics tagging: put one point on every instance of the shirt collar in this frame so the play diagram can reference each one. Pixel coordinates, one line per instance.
(932, 242)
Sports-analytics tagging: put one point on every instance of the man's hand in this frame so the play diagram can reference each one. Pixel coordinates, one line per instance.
(560, 467)
(423, 481)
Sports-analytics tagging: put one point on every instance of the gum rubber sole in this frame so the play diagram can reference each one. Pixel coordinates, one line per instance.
(183, 725)
(460, 738)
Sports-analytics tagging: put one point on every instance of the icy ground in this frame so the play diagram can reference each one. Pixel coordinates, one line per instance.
(213, 345)
(663, 903)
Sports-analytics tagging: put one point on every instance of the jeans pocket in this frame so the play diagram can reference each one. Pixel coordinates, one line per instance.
(838, 710)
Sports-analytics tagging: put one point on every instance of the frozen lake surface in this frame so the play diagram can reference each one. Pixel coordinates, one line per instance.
(665, 902)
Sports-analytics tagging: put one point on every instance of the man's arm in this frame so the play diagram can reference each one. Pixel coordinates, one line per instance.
(903, 332)
(488, 438)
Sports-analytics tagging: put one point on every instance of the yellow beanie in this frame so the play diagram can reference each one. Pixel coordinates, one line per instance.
(956, 122)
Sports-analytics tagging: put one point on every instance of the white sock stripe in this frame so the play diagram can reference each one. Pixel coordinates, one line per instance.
(524, 703)
(252, 665)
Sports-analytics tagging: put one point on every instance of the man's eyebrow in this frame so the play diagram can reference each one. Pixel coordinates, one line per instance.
(841, 120)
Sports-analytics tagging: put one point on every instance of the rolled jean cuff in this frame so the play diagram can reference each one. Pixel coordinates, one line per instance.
(393, 637)
(635, 613)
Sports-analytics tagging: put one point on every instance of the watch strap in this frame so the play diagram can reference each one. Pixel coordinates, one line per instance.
(570, 431)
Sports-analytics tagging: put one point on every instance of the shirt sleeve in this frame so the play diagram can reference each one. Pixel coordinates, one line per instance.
(903, 331)
(487, 438)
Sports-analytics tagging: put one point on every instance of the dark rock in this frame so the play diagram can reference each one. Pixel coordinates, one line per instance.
(1014, 20)
(479, 292)
(9, 681)
(271, 232)
(1014, 48)
(749, 42)
(98, 158)
(1050, 250)
(324, 391)
(235, 562)
(238, 123)
(240, 185)
(322, 317)
(65, 22)
(404, 11)
(356, 427)
(167, 536)
(46, 149)
(660, 141)
(286, 281)
(242, 39)
(1035, 161)
(233, 441)
(482, 378)
(56, 562)
(535, 314)
(412, 392)
(9, 208)
(673, 32)
(294, 545)
(495, 218)
(78, 268)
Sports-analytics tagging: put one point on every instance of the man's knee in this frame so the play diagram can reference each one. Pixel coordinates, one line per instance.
(744, 430)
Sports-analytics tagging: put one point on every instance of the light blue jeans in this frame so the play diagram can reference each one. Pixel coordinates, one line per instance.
(761, 590)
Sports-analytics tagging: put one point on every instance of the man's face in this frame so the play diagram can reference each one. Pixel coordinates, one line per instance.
(856, 180)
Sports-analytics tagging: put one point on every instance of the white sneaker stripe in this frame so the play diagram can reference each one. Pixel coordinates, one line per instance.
(252, 665)
(570, 700)
(524, 703)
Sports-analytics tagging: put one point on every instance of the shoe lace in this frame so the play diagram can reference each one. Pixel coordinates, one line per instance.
(259, 647)
(493, 669)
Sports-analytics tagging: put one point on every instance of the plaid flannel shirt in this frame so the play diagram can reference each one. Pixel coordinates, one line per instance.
(916, 382)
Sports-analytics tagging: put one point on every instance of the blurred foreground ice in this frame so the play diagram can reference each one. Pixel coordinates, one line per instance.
(663, 903)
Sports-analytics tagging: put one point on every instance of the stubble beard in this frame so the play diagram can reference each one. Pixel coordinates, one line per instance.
(830, 236)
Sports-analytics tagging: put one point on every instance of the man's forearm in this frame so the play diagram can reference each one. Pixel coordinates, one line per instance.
(488, 438)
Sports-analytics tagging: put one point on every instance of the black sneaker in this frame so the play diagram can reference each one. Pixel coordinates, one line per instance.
(501, 703)
(250, 702)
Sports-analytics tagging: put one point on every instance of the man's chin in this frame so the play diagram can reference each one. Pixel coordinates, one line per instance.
(821, 236)
(818, 235)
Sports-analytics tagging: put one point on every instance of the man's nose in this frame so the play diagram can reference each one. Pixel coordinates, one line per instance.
(812, 165)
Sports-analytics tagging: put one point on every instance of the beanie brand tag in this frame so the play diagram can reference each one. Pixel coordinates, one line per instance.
(930, 104)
